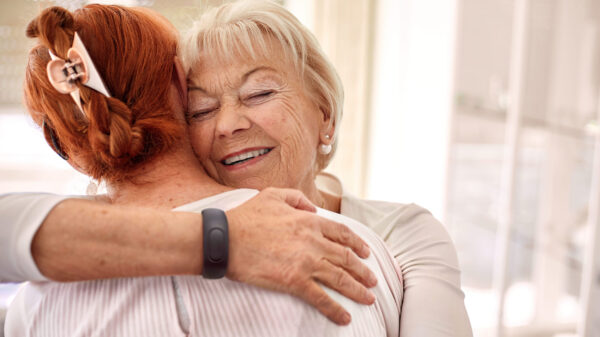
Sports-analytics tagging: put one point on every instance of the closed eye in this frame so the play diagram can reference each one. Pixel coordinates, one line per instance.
(201, 114)
(260, 96)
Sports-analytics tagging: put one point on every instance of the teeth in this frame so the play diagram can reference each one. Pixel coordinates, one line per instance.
(245, 156)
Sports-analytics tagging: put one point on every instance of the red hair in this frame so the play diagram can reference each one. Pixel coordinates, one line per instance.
(134, 54)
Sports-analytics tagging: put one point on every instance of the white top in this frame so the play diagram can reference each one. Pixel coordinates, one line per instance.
(433, 300)
(20, 217)
(193, 306)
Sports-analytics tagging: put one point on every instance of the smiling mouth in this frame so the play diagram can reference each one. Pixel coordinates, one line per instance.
(243, 157)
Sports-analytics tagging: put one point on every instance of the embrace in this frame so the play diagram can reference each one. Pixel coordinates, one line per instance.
(224, 130)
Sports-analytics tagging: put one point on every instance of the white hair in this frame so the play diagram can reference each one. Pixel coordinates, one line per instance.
(238, 29)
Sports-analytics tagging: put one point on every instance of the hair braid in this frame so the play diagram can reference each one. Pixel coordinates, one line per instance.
(111, 132)
(55, 28)
(114, 134)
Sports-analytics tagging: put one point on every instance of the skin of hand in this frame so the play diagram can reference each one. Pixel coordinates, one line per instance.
(303, 250)
(107, 241)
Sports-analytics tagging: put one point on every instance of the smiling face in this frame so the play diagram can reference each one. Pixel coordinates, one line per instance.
(252, 123)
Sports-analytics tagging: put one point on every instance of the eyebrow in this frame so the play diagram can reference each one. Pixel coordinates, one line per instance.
(246, 75)
(244, 78)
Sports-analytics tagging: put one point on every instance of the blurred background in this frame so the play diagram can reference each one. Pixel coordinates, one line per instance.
(486, 112)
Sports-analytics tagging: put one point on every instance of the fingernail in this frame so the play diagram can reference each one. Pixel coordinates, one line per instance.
(366, 251)
(373, 280)
(370, 297)
(346, 319)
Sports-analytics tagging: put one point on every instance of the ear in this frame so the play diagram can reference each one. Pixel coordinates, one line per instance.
(326, 128)
(180, 82)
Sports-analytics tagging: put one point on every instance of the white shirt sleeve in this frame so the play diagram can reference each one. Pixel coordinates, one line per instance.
(433, 300)
(433, 303)
(21, 215)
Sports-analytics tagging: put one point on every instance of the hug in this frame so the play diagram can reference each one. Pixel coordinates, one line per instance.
(222, 130)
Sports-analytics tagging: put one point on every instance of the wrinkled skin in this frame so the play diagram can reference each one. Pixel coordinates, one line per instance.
(251, 104)
(295, 256)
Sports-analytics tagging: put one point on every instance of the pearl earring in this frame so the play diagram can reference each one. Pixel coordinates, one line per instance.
(325, 149)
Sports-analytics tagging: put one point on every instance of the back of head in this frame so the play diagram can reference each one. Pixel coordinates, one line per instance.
(134, 55)
(239, 29)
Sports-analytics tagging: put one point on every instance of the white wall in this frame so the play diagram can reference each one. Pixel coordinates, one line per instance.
(411, 104)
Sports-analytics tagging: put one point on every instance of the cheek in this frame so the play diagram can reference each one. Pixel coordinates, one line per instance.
(282, 122)
(297, 143)
(201, 139)
(273, 124)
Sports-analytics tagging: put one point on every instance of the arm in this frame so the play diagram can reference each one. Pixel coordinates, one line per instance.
(82, 239)
(49, 236)
(433, 303)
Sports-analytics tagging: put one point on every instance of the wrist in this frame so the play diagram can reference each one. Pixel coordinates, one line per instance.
(189, 239)
(235, 230)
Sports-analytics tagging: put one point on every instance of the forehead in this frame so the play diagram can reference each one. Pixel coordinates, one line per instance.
(215, 66)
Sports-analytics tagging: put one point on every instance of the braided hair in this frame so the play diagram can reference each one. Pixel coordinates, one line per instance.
(134, 55)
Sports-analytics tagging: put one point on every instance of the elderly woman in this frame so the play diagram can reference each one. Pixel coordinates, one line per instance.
(263, 106)
(122, 122)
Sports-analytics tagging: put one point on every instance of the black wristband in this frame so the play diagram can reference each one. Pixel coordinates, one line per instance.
(215, 239)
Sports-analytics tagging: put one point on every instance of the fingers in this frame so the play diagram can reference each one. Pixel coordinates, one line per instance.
(294, 198)
(310, 248)
(339, 280)
(344, 236)
(345, 259)
(314, 295)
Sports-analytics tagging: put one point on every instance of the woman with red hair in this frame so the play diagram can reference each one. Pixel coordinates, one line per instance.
(107, 90)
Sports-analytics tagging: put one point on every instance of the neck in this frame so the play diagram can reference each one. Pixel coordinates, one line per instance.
(322, 199)
(169, 180)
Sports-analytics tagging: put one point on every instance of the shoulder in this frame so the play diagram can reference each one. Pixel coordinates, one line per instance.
(381, 216)
(410, 231)
(372, 210)
(384, 217)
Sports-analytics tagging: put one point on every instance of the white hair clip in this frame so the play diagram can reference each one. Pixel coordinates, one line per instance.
(78, 67)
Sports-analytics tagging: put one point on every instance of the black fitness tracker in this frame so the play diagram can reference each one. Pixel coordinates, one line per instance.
(215, 243)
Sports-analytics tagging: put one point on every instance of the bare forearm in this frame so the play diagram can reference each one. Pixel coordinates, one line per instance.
(273, 240)
(83, 240)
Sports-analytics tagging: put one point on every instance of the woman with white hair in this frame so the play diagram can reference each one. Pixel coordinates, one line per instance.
(264, 110)
(263, 106)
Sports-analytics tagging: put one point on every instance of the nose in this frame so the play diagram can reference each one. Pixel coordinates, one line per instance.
(230, 120)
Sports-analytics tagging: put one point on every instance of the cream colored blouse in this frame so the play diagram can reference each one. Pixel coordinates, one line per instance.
(433, 303)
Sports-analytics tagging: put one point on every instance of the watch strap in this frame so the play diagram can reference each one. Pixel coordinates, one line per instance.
(215, 233)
